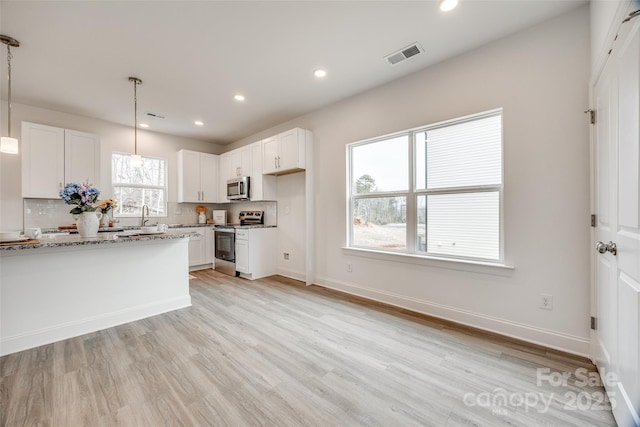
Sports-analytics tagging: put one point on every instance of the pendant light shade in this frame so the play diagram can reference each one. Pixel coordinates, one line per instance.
(7, 143)
(136, 159)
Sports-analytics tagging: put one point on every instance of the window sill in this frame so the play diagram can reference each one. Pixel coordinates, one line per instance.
(497, 269)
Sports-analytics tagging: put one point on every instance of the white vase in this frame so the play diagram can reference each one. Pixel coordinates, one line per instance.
(88, 223)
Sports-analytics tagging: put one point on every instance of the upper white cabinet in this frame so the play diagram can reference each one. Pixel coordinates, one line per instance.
(53, 157)
(285, 152)
(239, 163)
(197, 177)
(263, 187)
(233, 164)
(246, 161)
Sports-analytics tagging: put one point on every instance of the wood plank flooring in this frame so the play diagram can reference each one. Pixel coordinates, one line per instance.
(274, 353)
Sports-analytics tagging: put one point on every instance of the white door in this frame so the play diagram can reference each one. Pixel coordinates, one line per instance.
(617, 268)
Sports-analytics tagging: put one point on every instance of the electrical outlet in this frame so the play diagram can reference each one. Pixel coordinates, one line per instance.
(546, 301)
(286, 256)
(349, 267)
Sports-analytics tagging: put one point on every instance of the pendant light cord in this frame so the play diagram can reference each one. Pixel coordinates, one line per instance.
(9, 56)
(135, 117)
(136, 81)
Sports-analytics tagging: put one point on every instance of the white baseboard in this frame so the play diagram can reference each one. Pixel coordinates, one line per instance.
(55, 333)
(292, 274)
(545, 337)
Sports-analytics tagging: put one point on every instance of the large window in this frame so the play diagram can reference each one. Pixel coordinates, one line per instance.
(434, 190)
(134, 187)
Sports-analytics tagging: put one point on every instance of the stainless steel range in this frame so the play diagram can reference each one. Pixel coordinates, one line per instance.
(251, 217)
(225, 241)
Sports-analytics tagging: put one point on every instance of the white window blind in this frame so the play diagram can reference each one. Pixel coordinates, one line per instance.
(441, 190)
(465, 154)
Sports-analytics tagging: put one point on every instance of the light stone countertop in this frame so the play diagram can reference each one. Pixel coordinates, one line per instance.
(65, 240)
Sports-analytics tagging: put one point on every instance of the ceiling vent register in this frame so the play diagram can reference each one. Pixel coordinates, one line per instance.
(404, 54)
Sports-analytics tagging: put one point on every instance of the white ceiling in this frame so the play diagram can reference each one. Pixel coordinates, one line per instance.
(193, 57)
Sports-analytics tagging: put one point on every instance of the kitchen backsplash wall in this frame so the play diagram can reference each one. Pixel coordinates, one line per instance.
(46, 213)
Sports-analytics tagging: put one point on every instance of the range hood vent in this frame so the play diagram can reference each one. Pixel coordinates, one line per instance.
(404, 54)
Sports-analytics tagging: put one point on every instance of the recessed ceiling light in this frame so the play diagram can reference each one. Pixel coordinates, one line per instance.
(144, 125)
(198, 123)
(239, 97)
(320, 73)
(447, 5)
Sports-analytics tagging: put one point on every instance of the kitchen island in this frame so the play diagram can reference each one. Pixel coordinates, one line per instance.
(65, 286)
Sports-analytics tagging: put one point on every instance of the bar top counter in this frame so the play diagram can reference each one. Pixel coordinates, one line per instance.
(53, 240)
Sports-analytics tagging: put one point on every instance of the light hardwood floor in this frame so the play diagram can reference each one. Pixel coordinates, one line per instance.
(273, 352)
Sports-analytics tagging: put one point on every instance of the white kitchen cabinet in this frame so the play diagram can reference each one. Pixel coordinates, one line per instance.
(246, 161)
(197, 177)
(234, 164)
(242, 255)
(53, 157)
(263, 187)
(255, 252)
(200, 247)
(225, 167)
(286, 152)
(239, 162)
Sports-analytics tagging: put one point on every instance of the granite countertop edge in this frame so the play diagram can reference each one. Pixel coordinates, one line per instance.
(170, 226)
(102, 239)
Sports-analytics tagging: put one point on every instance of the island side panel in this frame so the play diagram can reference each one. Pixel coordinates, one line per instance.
(49, 295)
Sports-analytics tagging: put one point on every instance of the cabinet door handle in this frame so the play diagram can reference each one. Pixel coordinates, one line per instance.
(202, 196)
(60, 184)
(275, 162)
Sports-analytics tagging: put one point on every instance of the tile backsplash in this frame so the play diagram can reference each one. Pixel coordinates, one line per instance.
(52, 213)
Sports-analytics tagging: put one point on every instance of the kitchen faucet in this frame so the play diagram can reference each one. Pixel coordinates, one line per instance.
(142, 220)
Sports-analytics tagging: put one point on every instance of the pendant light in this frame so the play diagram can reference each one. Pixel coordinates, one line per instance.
(136, 159)
(448, 5)
(7, 143)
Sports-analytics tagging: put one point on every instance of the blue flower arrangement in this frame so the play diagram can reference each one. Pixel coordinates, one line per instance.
(84, 196)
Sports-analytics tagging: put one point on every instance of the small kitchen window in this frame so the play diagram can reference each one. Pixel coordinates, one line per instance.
(433, 191)
(134, 187)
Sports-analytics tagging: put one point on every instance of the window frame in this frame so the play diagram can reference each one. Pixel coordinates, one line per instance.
(164, 187)
(412, 194)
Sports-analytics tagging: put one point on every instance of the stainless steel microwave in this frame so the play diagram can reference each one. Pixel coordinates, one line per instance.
(238, 188)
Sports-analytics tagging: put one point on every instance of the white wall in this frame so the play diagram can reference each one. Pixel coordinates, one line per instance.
(113, 137)
(540, 77)
(291, 225)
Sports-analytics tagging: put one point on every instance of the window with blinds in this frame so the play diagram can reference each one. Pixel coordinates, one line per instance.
(434, 190)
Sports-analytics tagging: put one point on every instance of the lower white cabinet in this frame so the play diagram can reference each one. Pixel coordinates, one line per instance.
(200, 247)
(256, 252)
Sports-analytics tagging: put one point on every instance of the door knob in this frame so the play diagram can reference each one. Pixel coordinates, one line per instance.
(602, 247)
